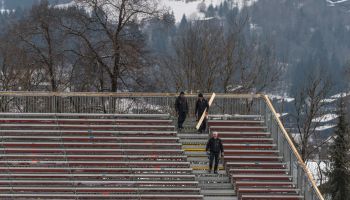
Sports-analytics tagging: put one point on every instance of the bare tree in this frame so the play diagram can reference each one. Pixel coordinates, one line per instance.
(16, 67)
(39, 36)
(197, 56)
(259, 69)
(233, 50)
(111, 35)
(310, 105)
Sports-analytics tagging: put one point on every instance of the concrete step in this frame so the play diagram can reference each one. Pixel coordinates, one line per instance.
(205, 172)
(241, 134)
(193, 141)
(196, 154)
(194, 147)
(184, 136)
(263, 177)
(218, 193)
(238, 128)
(227, 139)
(235, 123)
(217, 179)
(249, 146)
(241, 152)
(278, 184)
(253, 158)
(264, 165)
(205, 166)
(220, 198)
(210, 186)
(235, 117)
(253, 190)
(259, 171)
(198, 159)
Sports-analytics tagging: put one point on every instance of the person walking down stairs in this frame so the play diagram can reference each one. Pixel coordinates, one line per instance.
(201, 105)
(181, 107)
(214, 148)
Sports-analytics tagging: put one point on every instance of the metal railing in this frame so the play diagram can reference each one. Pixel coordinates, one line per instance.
(163, 103)
(302, 176)
(136, 103)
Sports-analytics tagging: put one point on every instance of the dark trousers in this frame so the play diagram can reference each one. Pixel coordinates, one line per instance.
(203, 125)
(181, 118)
(212, 157)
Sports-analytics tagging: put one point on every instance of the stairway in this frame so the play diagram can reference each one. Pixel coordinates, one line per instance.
(213, 186)
(252, 160)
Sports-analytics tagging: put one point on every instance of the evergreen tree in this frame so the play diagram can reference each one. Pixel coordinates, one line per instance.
(210, 11)
(339, 176)
(183, 23)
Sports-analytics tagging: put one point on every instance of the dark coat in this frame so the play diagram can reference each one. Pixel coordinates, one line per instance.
(181, 105)
(215, 145)
(201, 105)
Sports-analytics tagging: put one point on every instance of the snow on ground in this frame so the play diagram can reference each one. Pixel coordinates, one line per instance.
(336, 2)
(318, 169)
(190, 9)
(282, 115)
(325, 118)
(325, 127)
(138, 105)
(280, 98)
(66, 5)
(337, 96)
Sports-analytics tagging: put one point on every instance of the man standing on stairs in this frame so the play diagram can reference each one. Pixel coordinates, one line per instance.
(201, 105)
(214, 149)
(181, 108)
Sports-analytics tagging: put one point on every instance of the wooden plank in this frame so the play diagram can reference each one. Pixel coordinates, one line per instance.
(204, 113)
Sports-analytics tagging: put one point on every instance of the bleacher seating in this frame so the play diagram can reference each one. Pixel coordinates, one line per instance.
(93, 156)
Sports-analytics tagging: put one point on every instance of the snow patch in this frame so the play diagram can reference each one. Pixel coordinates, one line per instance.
(190, 9)
(281, 98)
(325, 127)
(325, 118)
(336, 2)
(318, 169)
(337, 96)
(279, 115)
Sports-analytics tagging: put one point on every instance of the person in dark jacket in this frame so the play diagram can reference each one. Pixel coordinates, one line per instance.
(181, 108)
(214, 149)
(201, 105)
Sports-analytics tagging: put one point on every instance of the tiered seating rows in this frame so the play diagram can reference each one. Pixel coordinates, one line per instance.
(87, 156)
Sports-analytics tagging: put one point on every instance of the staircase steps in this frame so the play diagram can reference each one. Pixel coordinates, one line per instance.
(213, 186)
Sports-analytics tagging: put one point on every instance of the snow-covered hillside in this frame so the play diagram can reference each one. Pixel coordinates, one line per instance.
(191, 8)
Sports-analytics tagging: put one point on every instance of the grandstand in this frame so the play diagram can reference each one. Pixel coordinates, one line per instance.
(125, 146)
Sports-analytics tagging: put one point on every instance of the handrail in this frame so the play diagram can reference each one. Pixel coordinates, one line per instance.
(118, 94)
(294, 149)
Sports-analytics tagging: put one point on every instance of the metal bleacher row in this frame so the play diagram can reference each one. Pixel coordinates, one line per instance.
(93, 156)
